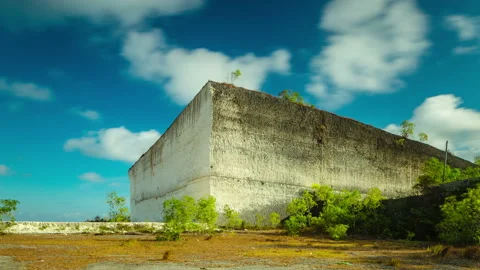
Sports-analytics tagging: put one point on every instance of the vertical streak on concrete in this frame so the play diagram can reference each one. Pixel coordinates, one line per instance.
(177, 164)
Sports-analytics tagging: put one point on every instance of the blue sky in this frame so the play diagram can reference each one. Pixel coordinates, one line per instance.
(86, 88)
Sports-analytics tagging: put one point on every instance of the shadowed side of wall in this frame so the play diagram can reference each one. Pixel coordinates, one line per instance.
(177, 164)
(265, 150)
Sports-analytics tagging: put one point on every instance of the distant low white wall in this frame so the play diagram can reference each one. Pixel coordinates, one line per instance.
(30, 227)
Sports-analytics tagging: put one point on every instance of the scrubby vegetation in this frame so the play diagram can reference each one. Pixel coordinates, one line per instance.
(294, 97)
(435, 173)
(461, 222)
(339, 213)
(320, 209)
(118, 211)
(187, 215)
(7, 210)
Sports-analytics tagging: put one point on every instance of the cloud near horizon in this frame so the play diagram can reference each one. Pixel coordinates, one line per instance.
(114, 144)
(442, 119)
(25, 90)
(152, 59)
(373, 43)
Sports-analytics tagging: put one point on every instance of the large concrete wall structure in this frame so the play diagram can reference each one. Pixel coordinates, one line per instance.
(256, 152)
(177, 164)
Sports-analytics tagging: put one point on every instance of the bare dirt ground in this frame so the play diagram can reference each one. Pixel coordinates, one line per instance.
(227, 250)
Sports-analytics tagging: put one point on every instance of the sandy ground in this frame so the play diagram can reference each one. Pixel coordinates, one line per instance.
(228, 250)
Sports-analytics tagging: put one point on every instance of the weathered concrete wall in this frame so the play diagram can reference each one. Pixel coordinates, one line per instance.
(265, 150)
(256, 152)
(176, 165)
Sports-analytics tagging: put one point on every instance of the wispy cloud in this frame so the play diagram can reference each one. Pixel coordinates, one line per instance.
(87, 113)
(465, 50)
(468, 31)
(4, 170)
(373, 43)
(113, 143)
(25, 90)
(91, 177)
(465, 26)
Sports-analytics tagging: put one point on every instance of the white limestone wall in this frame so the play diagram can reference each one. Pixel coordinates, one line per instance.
(266, 150)
(177, 164)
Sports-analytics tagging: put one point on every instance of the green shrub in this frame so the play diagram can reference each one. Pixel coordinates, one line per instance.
(170, 232)
(338, 231)
(233, 220)
(274, 219)
(436, 250)
(407, 129)
(461, 222)
(179, 211)
(302, 206)
(118, 211)
(410, 236)
(294, 97)
(7, 208)
(259, 221)
(433, 175)
(400, 142)
(338, 212)
(188, 215)
(369, 217)
(337, 208)
(294, 224)
(206, 212)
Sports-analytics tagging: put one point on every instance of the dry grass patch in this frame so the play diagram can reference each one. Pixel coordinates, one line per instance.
(235, 248)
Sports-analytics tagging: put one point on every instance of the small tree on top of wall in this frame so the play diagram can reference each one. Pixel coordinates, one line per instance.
(235, 75)
(293, 97)
(407, 128)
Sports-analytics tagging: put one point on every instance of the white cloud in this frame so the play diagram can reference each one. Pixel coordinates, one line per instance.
(183, 72)
(26, 90)
(115, 184)
(442, 119)
(114, 143)
(465, 50)
(373, 44)
(87, 113)
(20, 14)
(466, 27)
(4, 170)
(91, 177)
